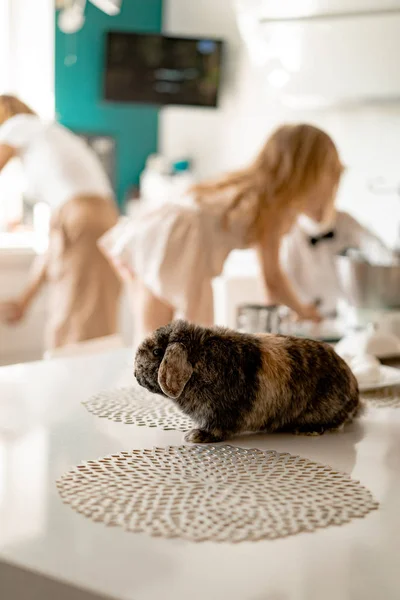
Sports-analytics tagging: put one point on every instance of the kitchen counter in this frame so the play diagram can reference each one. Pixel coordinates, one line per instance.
(48, 551)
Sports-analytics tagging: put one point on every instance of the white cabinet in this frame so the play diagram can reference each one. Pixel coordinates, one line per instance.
(324, 52)
(240, 283)
(23, 342)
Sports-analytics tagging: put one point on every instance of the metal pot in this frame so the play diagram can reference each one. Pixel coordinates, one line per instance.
(369, 286)
(257, 318)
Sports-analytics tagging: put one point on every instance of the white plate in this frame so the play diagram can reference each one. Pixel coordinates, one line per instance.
(389, 376)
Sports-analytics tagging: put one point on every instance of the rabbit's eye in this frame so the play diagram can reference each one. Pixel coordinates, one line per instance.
(157, 352)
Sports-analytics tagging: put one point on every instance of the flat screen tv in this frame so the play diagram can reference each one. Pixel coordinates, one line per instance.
(158, 69)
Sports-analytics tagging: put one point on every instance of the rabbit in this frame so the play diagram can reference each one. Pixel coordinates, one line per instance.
(230, 383)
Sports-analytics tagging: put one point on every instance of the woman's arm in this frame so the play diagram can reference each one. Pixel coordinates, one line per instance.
(278, 287)
(13, 311)
(6, 154)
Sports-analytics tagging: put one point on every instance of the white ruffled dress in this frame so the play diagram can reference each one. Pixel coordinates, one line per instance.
(175, 250)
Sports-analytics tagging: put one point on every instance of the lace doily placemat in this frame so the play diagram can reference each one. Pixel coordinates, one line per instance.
(136, 406)
(385, 398)
(216, 493)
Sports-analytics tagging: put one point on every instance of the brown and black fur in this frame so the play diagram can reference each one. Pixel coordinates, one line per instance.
(229, 382)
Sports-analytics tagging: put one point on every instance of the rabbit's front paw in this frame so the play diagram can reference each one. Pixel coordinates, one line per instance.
(200, 436)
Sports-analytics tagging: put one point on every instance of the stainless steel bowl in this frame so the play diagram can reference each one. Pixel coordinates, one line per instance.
(369, 286)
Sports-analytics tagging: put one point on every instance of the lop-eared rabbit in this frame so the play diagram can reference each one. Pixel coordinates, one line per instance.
(229, 382)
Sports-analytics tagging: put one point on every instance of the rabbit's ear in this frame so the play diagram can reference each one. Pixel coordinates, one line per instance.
(175, 370)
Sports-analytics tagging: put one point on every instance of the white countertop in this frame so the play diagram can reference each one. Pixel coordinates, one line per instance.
(22, 243)
(44, 431)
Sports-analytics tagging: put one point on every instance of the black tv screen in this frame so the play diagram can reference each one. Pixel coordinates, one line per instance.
(158, 69)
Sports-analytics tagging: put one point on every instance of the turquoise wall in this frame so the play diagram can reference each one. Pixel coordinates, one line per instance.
(79, 88)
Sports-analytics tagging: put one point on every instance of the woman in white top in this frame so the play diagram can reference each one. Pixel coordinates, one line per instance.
(61, 170)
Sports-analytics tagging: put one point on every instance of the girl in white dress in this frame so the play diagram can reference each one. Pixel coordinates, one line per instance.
(172, 253)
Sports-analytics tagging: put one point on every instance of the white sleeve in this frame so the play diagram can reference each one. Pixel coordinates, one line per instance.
(19, 130)
(360, 237)
(290, 257)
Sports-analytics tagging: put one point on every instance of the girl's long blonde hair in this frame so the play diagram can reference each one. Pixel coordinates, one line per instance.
(288, 166)
(11, 106)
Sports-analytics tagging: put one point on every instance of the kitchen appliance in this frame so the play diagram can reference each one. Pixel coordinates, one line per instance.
(105, 148)
(258, 318)
(367, 286)
(371, 294)
(372, 291)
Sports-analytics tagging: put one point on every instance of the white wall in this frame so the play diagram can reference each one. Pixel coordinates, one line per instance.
(368, 139)
(201, 132)
(26, 70)
(31, 64)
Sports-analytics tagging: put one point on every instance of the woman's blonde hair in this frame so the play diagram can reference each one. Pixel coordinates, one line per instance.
(288, 166)
(11, 106)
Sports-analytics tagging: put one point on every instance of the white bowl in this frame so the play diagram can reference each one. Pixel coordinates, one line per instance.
(376, 343)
